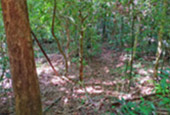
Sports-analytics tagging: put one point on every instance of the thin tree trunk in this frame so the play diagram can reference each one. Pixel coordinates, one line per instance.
(160, 37)
(163, 58)
(82, 19)
(159, 52)
(68, 43)
(22, 65)
(104, 34)
(136, 39)
(122, 30)
(57, 40)
(116, 32)
(81, 55)
(132, 42)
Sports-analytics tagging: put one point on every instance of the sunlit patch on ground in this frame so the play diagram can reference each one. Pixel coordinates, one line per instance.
(100, 80)
(90, 90)
(104, 79)
(57, 80)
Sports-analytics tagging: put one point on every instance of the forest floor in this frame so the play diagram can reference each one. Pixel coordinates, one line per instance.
(105, 81)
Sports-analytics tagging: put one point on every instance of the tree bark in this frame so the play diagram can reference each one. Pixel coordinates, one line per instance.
(122, 31)
(132, 42)
(160, 38)
(81, 56)
(81, 51)
(22, 65)
(57, 40)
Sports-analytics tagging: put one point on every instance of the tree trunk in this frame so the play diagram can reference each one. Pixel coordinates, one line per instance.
(81, 56)
(159, 52)
(22, 65)
(122, 31)
(160, 38)
(136, 38)
(82, 19)
(132, 42)
(57, 40)
(104, 27)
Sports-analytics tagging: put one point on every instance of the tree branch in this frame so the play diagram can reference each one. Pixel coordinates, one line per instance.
(56, 73)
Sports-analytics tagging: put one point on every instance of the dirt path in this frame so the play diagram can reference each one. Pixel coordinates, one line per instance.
(104, 81)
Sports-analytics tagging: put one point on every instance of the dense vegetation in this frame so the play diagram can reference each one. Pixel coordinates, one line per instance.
(126, 42)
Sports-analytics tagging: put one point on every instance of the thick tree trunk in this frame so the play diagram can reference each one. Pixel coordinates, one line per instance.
(22, 65)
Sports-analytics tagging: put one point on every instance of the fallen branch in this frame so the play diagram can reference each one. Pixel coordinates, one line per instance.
(55, 102)
(118, 103)
(78, 108)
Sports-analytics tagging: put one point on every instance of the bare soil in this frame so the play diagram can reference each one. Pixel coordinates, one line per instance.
(105, 81)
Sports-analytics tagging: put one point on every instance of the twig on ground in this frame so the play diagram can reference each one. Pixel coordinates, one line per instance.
(55, 102)
(117, 103)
